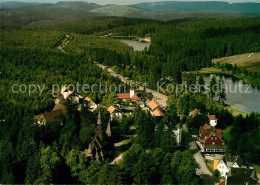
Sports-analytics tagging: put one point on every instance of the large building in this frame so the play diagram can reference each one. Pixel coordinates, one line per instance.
(210, 139)
(100, 146)
(58, 110)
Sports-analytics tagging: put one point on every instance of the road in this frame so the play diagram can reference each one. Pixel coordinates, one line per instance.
(203, 169)
(161, 98)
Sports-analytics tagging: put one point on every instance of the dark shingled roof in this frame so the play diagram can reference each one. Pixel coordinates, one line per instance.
(242, 176)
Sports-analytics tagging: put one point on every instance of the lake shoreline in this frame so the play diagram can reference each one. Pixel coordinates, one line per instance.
(212, 70)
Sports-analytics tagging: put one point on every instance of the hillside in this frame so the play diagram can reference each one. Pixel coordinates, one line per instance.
(250, 61)
(253, 8)
(121, 11)
(14, 4)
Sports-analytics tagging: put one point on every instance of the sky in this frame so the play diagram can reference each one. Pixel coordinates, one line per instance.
(125, 2)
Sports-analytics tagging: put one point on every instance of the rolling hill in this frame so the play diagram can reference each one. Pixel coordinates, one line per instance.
(253, 8)
(120, 11)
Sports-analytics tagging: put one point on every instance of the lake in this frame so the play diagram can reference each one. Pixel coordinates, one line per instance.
(240, 96)
(137, 45)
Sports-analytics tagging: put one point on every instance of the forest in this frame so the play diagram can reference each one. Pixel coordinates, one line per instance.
(54, 153)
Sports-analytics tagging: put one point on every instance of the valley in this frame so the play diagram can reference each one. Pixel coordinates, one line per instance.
(145, 93)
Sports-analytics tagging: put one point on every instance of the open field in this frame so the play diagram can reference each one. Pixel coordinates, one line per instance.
(250, 61)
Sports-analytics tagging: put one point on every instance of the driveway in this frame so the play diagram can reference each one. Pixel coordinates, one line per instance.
(203, 169)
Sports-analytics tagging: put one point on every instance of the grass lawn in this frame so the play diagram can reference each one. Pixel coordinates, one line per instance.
(226, 133)
(249, 61)
(210, 166)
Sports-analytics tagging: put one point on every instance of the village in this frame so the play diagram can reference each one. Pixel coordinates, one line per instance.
(211, 148)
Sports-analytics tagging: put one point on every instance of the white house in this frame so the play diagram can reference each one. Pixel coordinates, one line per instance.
(227, 162)
(114, 113)
(65, 92)
(212, 120)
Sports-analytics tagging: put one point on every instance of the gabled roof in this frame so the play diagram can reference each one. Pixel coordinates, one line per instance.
(111, 109)
(206, 131)
(194, 112)
(89, 100)
(229, 160)
(123, 95)
(242, 176)
(135, 98)
(63, 89)
(69, 93)
(157, 113)
(60, 107)
(50, 116)
(153, 104)
(212, 117)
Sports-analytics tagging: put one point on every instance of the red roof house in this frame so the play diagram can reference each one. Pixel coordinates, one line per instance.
(211, 139)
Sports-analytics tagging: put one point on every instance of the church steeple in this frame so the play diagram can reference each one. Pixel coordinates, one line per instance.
(108, 131)
(99, 120)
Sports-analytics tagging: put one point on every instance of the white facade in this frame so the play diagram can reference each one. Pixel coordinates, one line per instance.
(132, 93)
(224, 169)
(117, 115)
(213, 122)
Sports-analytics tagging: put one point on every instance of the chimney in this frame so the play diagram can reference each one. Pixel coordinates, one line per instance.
(132, 92)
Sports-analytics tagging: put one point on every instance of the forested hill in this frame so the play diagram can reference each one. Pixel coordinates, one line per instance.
(205, 5)
(78, 5)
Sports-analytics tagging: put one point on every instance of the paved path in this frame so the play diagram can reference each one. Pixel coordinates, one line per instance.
(203, 169)
(161, 98)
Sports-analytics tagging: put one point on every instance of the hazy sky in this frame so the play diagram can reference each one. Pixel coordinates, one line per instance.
(123, 2)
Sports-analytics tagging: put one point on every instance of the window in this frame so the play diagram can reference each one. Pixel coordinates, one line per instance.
(213, 143)
(211, 138)
(215, 138)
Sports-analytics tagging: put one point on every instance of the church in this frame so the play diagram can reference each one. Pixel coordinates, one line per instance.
(101, 147)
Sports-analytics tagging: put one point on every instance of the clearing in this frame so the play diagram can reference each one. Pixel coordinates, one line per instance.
(250, 61)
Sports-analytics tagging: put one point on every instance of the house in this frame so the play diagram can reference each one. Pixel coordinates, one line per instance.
(58, 110)
(60, 107)
(226, 162)
(241, 176)
(155, 109)
(100, 143)
(65, 92)
(129, 96)
(91, 104)
(194, 113)
(210, 139)
(114, 112)
(212, 120)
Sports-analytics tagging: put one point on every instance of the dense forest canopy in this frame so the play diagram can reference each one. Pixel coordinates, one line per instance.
(53, 153)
